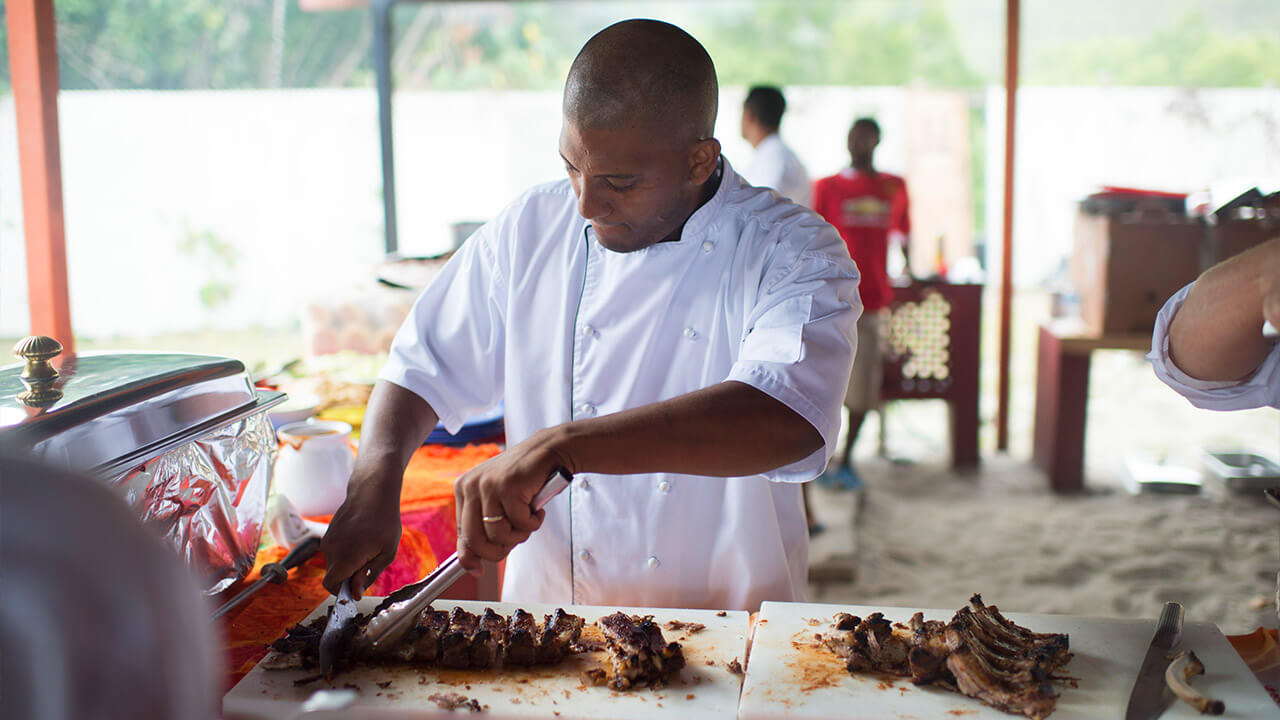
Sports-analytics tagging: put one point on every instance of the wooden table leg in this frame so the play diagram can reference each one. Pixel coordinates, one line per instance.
(966, 330)
(1062, 391)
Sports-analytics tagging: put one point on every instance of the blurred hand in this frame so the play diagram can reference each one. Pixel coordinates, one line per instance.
(1271, 303)
(364, 535)
(503, 486)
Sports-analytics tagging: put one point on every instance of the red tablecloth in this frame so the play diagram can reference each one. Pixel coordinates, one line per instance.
(430, 532)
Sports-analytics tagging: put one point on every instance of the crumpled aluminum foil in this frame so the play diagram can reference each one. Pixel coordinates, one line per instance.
(208, 498)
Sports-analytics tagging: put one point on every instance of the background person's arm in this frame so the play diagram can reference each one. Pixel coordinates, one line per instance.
(1217, 333)
(365, 532)
(729, 429)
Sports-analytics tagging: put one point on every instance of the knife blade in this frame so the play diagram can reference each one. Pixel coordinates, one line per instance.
(387, 625)
(340, 617)
(1151, 695)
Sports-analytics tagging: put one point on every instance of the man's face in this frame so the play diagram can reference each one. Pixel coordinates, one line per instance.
(634, 185)
(863, 140)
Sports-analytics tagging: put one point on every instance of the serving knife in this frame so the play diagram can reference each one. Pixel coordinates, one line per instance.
(340, 617)
(387, 625)
(1151, 695)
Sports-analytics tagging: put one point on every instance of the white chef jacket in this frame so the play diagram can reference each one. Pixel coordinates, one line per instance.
(1259, 390)
(774, 166)
(534, 311)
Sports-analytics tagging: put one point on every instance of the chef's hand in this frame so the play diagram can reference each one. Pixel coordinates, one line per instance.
(503, 487)
(364, 535)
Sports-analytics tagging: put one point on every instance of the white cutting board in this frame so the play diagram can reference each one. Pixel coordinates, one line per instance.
(702, 690)
(784, 680)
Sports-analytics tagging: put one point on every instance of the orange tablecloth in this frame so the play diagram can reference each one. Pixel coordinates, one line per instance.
(430, 532)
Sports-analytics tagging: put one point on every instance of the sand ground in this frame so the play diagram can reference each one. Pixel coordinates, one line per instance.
(922, 535)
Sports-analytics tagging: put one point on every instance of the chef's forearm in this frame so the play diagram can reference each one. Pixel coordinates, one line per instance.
(726, 430)
(1217, 333)
(395, 425)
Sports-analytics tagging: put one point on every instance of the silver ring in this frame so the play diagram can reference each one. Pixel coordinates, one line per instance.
(493, 518)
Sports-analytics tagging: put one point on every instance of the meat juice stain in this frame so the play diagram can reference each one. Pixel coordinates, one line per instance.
(815, 667)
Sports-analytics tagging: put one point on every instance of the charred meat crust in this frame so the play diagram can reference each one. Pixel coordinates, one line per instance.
(456, 639)
(638, 654)
(979, 653)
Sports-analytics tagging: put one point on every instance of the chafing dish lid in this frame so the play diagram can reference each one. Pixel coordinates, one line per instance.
(106, 411)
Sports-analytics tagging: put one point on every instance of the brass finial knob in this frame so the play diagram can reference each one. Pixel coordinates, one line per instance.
(38, 350)
(39, 374)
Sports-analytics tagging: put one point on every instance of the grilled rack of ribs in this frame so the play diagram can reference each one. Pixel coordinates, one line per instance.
(638, 654)
(979, 653)
(456, 639)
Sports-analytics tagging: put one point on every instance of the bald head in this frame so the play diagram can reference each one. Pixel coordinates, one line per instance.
(643, 73)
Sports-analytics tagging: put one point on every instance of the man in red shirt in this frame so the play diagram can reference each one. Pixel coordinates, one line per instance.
(869, 208)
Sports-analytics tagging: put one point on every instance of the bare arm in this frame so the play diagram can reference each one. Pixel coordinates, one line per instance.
(365, 532)
(1217, 333)
(726, 430)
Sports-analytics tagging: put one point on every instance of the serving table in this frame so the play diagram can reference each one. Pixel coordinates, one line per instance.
(1062, 392)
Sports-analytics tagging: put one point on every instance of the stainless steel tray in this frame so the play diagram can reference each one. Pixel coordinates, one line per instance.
(1242, 471)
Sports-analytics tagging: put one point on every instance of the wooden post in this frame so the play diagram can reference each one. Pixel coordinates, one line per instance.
(33, 59)
(1006, 269)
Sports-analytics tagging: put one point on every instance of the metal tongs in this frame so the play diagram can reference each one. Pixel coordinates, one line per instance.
(385, 627)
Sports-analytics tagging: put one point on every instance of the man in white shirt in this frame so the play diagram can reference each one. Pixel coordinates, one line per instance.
(1208, 342)
(773, 165)
(675, 338)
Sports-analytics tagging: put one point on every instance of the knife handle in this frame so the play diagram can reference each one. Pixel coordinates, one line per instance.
(1170, 623)
(278, 572)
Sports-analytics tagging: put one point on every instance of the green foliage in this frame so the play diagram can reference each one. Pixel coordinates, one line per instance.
(217, 260)
(224, 44)
(846, 43)
(1186, 52)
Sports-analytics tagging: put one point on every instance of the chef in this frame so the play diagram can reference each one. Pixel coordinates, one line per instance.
(676, 339)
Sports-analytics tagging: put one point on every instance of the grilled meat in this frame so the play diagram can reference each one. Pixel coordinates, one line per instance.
(638, 654)
(522, 632)
(455, 645)
(456, 639)
(973, 678)
(979, 653)
(559, 631)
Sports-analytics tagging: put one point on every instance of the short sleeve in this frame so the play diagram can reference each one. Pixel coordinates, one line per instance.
(1262, 389)
(449, 351)
(901, 220)
(801, 337)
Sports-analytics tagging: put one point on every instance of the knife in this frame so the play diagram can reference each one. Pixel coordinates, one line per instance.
(340, 617)
(276, 572)
(1151, 695)
(385, 627)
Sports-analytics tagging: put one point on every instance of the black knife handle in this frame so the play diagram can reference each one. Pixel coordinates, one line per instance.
(278, 572)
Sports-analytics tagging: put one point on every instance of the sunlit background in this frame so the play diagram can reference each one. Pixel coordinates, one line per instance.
(221, 169)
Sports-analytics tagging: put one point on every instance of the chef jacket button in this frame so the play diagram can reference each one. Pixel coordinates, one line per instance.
(707, 245)
(583, 484)
(690, 333)
(664, 487)
(588, 330)
(584, 555)
(587, 409)
(654, 561)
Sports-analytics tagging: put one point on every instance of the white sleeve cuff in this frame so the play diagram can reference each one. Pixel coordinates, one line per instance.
(1262, 388)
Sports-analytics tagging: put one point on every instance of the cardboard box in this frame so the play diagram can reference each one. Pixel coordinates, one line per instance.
(1232, 237)
(1125, 267)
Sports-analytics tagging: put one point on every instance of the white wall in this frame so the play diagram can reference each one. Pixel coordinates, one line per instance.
(1072, 141)
(292, 179)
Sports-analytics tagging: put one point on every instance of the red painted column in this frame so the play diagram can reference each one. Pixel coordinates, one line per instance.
(1006, 269)
(33, 60)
